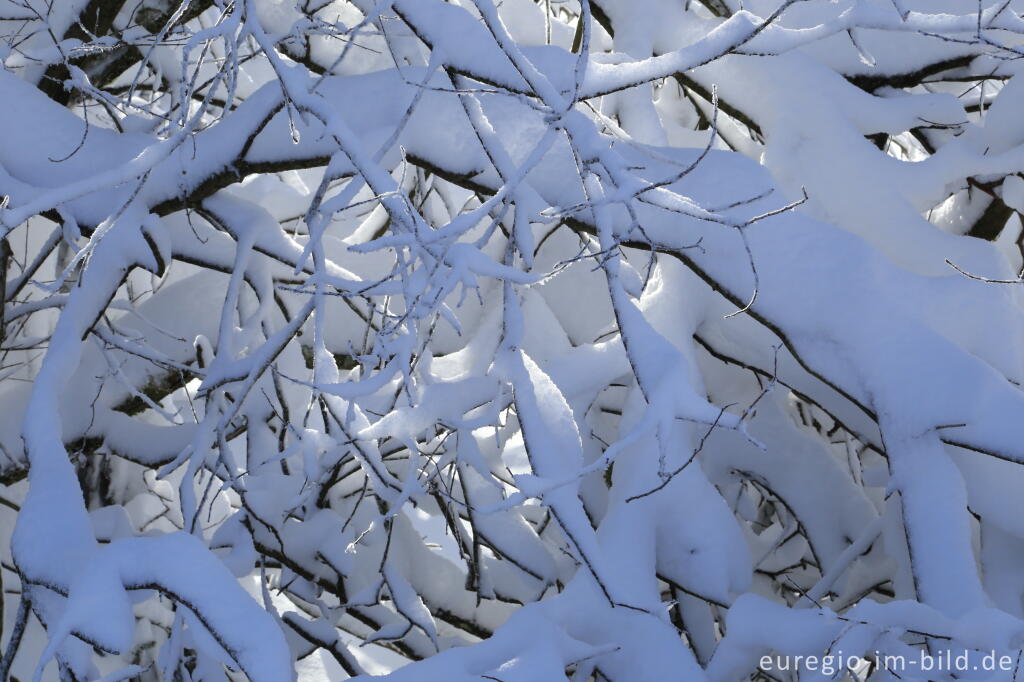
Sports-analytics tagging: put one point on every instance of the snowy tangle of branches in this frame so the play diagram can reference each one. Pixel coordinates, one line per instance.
(614, 340)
